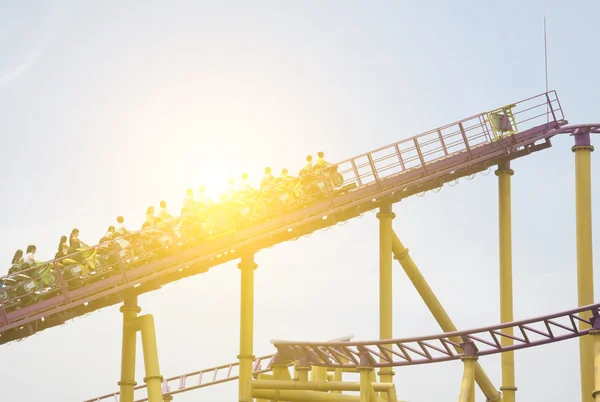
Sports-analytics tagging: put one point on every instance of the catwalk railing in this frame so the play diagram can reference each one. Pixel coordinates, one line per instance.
(387, 174)
(204, 378)
(438, 348)
(196, 379)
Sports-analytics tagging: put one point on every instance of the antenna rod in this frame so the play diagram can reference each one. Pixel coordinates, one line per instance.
(545, 54)
(546, 68)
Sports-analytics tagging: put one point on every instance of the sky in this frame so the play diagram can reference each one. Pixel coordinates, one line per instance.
(109, 107)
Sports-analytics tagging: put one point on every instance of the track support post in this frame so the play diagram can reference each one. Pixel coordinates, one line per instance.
(385, 217)
(504, 174)
(131, 325)
(130, 310)
(303, 370)
(467, 385)
(585, 274)
(246, 356)
(595, 335)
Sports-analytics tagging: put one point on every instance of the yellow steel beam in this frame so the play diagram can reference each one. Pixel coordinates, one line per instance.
(385, 217)
(317, 390)
(585, 273)
(504, 174)
(595, 334)
(467, 386)
(153, 378)
(130, 310)
(246, 356)
(438, 312)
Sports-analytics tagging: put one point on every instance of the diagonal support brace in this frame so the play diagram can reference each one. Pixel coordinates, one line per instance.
(438, 312)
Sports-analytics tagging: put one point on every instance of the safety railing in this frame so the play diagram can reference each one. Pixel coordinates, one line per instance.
(438, 348)
(443, 142)
(419, 152)
(195, 380)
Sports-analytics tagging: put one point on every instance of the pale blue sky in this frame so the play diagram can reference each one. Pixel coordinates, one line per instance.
(109, 107)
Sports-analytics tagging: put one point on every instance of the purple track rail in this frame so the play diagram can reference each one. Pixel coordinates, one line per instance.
(384, 175)
(204, 378)
(439, 348)
(394, 352)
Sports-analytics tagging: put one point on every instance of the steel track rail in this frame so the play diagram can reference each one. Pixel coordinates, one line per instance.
(388, 184)
(440, 348)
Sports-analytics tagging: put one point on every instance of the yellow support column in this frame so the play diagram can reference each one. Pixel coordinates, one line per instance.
(337, 376)
(504, 174)
(130, 310)
(385, 217)
(246, 356)
(367, 394)
(153, 378)
(467, 386)
(438, 312)
(585, 274)
(318, 373)
(303, 370)
(595, 335)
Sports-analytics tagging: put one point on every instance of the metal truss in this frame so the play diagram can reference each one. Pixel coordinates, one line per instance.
(438, 348)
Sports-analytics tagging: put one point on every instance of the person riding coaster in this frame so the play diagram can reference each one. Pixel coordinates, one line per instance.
(246, 202)
(87, 259)
(278, 192)
(320, 180)
(192, 226)
(149, 240)
(80, 260)
(24, 280)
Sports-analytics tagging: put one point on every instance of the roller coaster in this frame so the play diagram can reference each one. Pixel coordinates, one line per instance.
(46, 295)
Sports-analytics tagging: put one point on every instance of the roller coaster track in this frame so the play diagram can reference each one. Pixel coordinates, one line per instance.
(197, 379)
(396, 352)
(439, 348)
(207, 377)
(387, 174)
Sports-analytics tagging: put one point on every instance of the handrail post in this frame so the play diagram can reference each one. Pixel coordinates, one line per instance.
(61, 281)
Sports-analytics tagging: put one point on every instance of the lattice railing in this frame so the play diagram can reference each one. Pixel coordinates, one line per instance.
(443, 142)
(195, 380)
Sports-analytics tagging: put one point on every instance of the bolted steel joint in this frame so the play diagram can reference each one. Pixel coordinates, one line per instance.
(247, 262)
(576, 148)
(130, 309)
(401, 255)
(152, 377)
(508, 388)
(383, 215)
